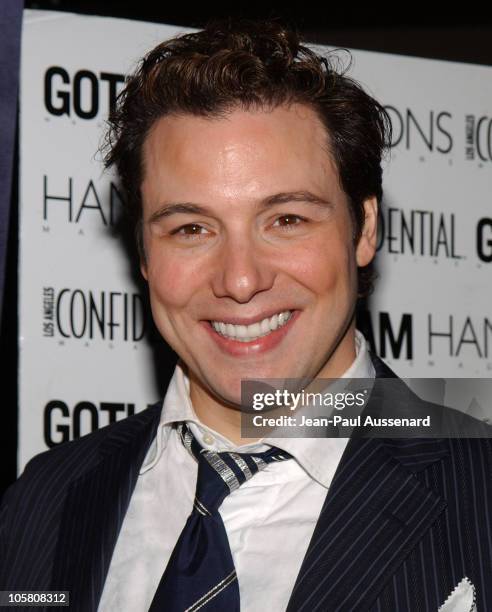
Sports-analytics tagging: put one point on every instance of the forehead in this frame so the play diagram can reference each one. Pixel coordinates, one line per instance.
(244, 152)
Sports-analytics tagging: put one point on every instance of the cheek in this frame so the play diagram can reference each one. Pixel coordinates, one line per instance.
(325, 267)
(171, 282)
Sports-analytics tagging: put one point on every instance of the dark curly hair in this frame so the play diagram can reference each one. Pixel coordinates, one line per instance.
(241, 63)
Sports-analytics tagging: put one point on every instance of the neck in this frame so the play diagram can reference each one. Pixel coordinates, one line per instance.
(226, 420)
(216, 415)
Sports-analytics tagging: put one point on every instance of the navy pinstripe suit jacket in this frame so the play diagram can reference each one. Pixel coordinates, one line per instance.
(403, 522)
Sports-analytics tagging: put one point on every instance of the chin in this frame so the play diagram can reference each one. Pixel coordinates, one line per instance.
(228, 396)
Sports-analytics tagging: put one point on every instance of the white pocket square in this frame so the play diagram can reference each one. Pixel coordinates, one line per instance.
(461, 599)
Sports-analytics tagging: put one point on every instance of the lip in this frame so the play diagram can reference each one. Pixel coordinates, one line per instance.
(267, 314)
(255, 347)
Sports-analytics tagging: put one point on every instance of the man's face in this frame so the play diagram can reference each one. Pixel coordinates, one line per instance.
(244, 220)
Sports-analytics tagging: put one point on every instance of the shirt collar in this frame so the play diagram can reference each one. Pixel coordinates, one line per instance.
(318, 456)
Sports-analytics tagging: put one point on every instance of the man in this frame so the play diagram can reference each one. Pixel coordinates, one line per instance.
(253, 175)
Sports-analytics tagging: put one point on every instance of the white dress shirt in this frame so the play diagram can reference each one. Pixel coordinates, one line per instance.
(269, 520)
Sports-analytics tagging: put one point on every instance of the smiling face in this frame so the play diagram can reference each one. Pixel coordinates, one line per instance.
(244, 219)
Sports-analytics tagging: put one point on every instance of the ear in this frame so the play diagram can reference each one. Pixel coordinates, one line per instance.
(366, 247)
(143, 268)
(141, 250)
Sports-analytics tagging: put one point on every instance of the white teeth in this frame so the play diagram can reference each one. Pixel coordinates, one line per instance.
(241, 331)
(254, 329)
(264, 327)
(247, 333)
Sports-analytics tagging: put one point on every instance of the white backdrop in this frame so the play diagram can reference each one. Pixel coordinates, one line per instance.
(84, 355)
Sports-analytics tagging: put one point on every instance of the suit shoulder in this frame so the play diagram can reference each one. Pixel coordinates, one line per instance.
(67, 461)
(34, 503)
(454, 423)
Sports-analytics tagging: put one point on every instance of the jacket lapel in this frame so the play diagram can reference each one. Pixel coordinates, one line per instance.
(375, 512)
(94, 509)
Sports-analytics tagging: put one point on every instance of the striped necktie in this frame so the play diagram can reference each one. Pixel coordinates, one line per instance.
(200, 574)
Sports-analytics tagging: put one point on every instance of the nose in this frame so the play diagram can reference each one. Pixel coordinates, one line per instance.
(242, 270)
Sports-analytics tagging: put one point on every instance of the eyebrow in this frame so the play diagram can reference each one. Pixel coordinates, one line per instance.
(172, 208)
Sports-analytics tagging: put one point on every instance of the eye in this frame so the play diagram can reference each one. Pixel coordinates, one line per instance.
(288, 221)
(189, 230)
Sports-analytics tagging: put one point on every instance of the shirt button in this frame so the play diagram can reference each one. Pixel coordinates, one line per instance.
(208, 439)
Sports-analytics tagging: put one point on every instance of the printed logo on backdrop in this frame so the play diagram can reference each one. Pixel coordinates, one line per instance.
(83, 94)
(422, 132)
(432, 234)
(484, 239)
(84, 314)
(433, 131)
(426, 233)
(478, 134)
(456, 336)
(63, 422)
(74, 201)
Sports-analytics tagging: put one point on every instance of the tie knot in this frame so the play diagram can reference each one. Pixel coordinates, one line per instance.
(220, 473)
